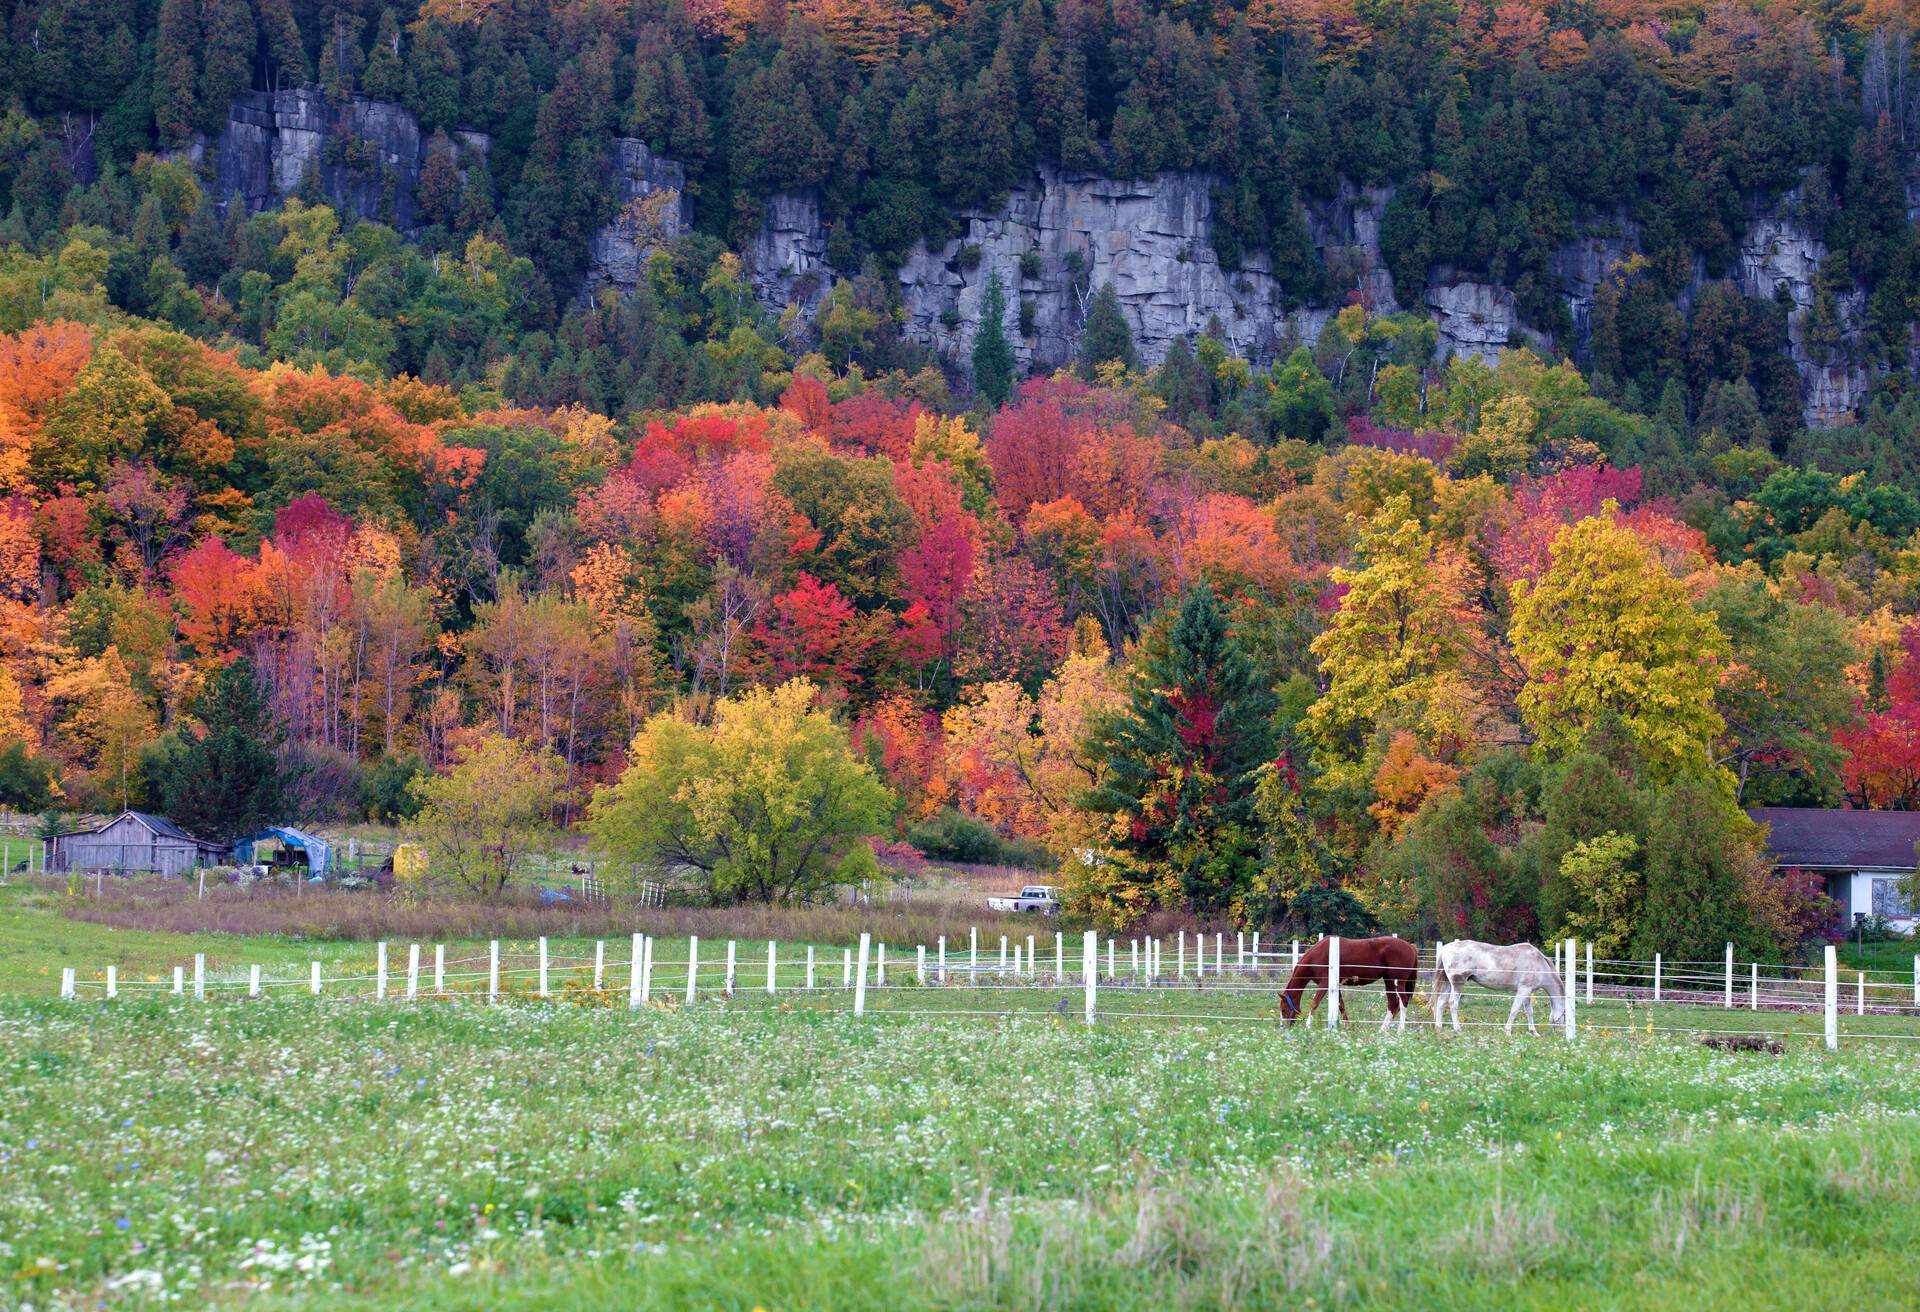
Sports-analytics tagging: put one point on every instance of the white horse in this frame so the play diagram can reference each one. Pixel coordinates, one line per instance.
(1521, 967)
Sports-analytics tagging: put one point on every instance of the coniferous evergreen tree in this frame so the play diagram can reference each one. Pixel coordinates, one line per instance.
(227, 783)
(1181, 762)
(992, 355)
(1107, 336)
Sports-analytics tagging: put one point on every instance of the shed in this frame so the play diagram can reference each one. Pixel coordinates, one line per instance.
(1862, 855)
(132, 841)
(315, 853)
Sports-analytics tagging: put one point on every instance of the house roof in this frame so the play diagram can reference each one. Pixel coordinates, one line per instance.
(1813, 837)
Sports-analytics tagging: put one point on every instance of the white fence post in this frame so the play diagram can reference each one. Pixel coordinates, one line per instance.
(199, 977)
(113, 981)
(940, 963)
(860, 978)
(633, 972)
(693, 965)
(1089, 956)
(1296, 952)
(1916, 982)
(880, 970)
(253, 980)
(599, 962)
(809, 967)
(920, 963)
(543, 965)
(1133, 957)
(1180, 959)
(493, 970)
(313, 979)
(1753, 986)
(772, 966)
(1589, 972)
(66, 984)
(1860, 995)
(439, 967)
(1656, 977)
(1832, 999)
(973, 954)
(1728, 1001)
(380, 972)
(1200, 956)
(1219, 952)
(730, 960)
(1240, 948)
(1567, 957)
(1332, 990)
(1059, 957)
(413, 971)
(646, 969)
(1110, 974)
(179, 981)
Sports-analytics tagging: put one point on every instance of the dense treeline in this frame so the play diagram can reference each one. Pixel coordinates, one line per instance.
(1461, 664)
(1505, 131)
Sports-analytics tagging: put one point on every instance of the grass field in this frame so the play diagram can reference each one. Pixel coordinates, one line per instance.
(777, 1152)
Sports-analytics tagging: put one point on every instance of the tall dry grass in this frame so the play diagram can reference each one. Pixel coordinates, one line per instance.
(338, 914)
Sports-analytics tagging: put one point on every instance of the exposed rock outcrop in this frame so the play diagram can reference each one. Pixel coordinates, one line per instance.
(653, 210)
(1780, 255)
(1053, 242)
(366, 155)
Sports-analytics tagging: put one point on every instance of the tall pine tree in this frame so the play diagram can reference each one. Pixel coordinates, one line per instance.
(1181, 766)
(227, 783)
(992, 356)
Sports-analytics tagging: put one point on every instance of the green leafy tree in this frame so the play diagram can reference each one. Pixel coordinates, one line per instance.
(992, 355)
(769, 803)
(482, 818)
(1301, 406)
(1786, 692)
(226, 783)
(1603, 876)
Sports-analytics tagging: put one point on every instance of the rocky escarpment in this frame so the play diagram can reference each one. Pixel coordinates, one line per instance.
(653, 209)
(1064, 235)
(364, 155)
(1052, 243)
(1779, 256)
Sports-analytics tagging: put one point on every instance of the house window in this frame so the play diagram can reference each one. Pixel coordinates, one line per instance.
(1887, 900)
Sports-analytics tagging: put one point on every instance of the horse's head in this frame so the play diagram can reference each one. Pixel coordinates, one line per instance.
(1289, 1006)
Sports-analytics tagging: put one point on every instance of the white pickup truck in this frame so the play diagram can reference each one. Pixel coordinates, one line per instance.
(1034, 897)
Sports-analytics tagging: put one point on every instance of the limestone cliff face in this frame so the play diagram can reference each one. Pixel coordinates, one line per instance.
(1780, 254)
(366, 154)
(1056, 239)
(620, 249)
(1062, 236)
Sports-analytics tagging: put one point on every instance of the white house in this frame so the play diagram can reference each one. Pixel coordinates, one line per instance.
(1863, 856)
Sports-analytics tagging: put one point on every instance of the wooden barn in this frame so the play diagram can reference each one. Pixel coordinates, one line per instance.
(134, 842)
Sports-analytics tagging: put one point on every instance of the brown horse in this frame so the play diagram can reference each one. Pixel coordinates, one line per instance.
(1390, 961)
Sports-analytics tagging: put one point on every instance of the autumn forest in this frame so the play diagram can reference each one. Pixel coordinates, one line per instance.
(1362, 631)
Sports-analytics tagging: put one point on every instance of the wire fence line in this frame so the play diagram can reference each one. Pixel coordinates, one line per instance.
(1035, 972)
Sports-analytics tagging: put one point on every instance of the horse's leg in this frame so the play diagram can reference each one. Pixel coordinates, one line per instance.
(1519, 1000)
(1439, 997)
(1453, 1000)
(1531, 1028)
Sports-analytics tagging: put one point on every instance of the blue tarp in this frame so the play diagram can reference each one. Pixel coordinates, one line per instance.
(319, 854)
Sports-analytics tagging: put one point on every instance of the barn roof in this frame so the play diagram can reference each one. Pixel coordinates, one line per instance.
(1814, 838)
(157, 825)
(162, 826)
